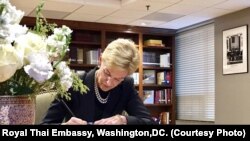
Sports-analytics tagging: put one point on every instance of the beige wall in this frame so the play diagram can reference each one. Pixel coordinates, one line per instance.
(232, 92)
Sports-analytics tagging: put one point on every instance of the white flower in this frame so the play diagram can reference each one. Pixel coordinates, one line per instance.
(56, 46)
(9, 22)
(65, 75)
(57, 42)
(26, 57)
(10, 14)
(9, 61)
(30, 43)
(11, 32)
(65, 31)
(40, 68)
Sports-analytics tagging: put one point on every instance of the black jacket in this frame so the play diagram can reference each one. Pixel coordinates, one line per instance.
(124, 97)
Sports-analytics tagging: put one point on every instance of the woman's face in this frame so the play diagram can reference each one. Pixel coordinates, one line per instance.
(108, 77)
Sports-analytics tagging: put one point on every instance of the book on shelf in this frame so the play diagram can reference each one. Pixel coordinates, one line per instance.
(151, 64)
(148, 96)
(149, 77)
(164, 78)
(168, 96)
(163, 96)
(92, 56)
(168, 78)
(73, 55)
(160, 78)
(79, 55)
(153, 42)
(160, 97)
(151, 59)
(165, 60)
(164, 118)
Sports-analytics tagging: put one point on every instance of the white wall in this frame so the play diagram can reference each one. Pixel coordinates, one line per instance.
(232, 92)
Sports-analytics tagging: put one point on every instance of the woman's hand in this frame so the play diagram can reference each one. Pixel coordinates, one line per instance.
(114, 120)
(75, 121)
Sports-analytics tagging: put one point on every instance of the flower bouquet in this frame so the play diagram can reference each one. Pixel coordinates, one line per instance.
(32, 61)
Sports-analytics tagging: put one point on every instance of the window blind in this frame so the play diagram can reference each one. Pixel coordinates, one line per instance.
(195, 74)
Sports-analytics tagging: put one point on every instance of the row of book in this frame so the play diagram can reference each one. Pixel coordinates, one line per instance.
(159, 78)
(88, 57)
(157, 96)
(154, 59)
(163, 118)
(80, 56)
(153, 77)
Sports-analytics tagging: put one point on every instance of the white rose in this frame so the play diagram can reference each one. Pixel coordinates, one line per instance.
(30, 43)
(9, 62)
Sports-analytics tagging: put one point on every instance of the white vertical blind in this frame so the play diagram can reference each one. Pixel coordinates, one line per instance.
(195, 84)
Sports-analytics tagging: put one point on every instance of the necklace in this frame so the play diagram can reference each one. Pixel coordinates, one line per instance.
(98, 96)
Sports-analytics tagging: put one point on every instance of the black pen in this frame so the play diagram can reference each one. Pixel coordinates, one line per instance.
(67, 107)
(72, 114)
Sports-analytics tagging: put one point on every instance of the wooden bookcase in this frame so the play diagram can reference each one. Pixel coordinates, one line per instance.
(95, 36)
(168, 104)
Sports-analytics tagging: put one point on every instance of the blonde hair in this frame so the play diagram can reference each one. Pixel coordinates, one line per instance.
(123, 54)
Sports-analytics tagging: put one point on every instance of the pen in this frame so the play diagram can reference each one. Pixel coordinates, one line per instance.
(67, 107)
(72, 114)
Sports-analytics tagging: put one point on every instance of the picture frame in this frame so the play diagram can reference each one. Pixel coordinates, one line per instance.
(235, 50)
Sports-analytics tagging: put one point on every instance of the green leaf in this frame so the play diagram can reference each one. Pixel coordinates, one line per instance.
(17, 89)
(2, 6)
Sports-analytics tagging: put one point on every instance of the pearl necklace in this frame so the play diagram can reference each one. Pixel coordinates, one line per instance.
(98, 96)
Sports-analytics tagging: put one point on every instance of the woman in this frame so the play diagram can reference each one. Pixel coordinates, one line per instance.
(111, 92)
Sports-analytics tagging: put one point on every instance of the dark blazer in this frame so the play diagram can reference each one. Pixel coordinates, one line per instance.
(124, 97)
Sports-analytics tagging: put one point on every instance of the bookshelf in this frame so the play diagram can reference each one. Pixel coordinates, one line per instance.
(91, 37)
(154, 47)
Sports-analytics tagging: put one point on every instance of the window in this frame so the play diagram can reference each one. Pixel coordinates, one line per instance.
(195, 78)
